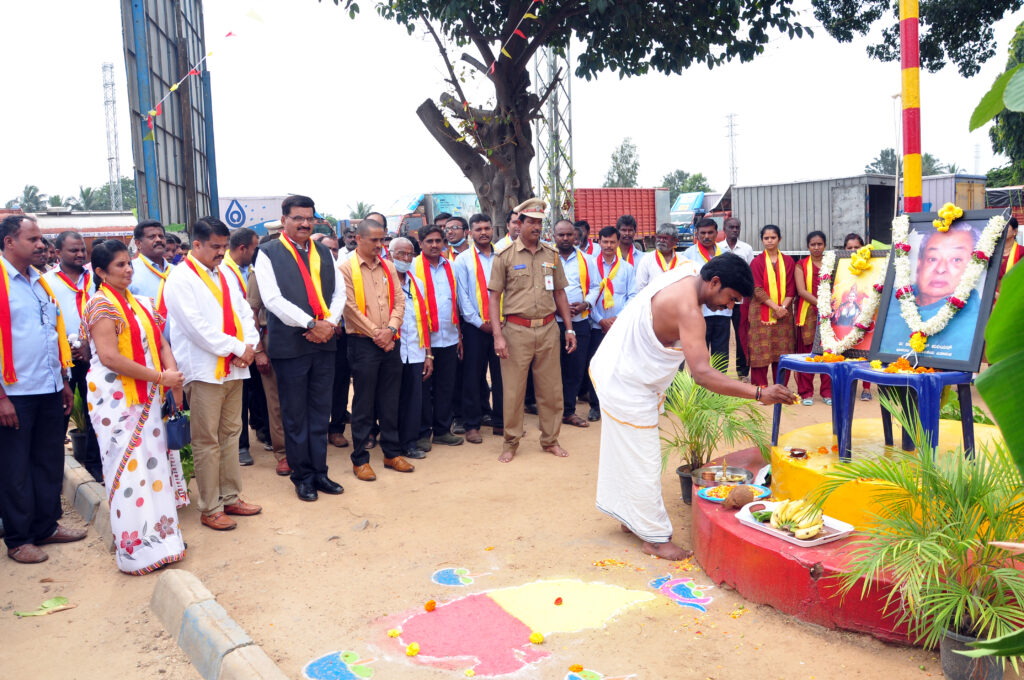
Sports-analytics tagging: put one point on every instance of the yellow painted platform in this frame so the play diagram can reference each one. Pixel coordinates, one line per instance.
(796, 478)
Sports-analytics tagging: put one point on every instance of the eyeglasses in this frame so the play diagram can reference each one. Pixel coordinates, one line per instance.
(302, 220)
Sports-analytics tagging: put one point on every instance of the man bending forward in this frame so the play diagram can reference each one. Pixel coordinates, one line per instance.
(657, 330)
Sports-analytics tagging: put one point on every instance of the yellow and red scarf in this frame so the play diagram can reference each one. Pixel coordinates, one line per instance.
(138, 322)
(419, 305)
(666, 266)
(237, 271)
(422, 270)
(161, 307)
(628, 256)
(314, 294)
(232, 325)
(481, 286)
(804, 306)
(1015, 256)
(360, 291)
(581, 262)
(776, 288)
(607, 290)
(81, 294)
(705, 254)
(6, 330)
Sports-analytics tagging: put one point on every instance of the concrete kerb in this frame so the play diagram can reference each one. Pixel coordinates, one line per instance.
(89, 498)
(216, 645)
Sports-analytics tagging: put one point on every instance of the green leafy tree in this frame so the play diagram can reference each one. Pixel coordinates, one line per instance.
(31, 200)
(492, 142)
(682, 182)
(887, 163)
(56, 200)
(1000, 177)
(331, 219)
(90, 199)
(625, 166)
(360, 211)
(1007, 133)
(959, 31)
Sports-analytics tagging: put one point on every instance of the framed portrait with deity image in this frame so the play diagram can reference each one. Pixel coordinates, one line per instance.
(848, 301)
(939, 288)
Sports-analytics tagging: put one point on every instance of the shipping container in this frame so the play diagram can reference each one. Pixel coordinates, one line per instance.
(602, 207)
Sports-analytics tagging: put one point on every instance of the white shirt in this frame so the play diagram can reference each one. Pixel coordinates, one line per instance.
(289, 313)
(648, 267)
(447, 333)
(693, 254)
(742, 249)
(198, 339)
(409, 342)
(574, 291)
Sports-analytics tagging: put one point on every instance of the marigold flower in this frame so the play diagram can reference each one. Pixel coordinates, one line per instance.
(575, 668)
(394, 632)
(536, 638)
(469, 672)
(918, 341)
(413, 649)
(876, 364)
(430, 606)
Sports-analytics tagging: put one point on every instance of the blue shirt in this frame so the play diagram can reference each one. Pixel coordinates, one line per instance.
(574, 291)
(33, 335)
(693, 253)
(465, 278)
(68, 299)
(145, 282)
(623, 290)
(409, 342)
(447, 333)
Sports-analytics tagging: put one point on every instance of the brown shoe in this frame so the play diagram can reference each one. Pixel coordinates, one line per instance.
(63, 535)
(218, 521)
(282, 467)
(364, 472)
(399, 464)
(337, 439)
(499, 432)
(242, 508)
(473, 436)
(27, 554)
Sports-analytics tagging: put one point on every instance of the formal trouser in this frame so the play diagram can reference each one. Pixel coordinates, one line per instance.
(342, 378)
(216, 420)
(410, 405)
(243, 435)
(477, 356)
(528, 348)
(574, 366)
(91, 458)
(805, 381)
(33, 469)
(458, 386)
(376, 380)
(742, 369)
(258, 418)
(274, 423)
(303, 383)
(716, 336)
(439, 392)
(596, 336)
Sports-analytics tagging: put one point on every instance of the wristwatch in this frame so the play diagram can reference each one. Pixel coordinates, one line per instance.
(570, 331)
(394, 331)
(310, 324)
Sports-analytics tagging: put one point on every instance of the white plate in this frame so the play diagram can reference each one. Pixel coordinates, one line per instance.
(833, 530)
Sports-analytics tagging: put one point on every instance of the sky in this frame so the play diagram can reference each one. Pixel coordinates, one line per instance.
(306, 100)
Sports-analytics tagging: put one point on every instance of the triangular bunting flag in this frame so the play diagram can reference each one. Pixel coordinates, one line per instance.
(529, 16)
(505, 52)
(254, 16)
(229, 34)
(193, 72)
(149, 122)
(492, 66)
(519, 33)
(174, 87)
(159, 108)
(149, 137)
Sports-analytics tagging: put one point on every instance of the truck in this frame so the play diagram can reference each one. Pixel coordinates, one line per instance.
(602, 207)
(412, 211)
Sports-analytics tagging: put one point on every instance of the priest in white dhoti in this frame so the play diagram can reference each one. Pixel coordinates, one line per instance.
(631, 371)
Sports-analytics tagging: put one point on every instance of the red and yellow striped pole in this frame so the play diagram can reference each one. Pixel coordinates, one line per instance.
(910, 62)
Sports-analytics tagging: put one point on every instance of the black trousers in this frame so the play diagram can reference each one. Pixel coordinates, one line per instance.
(716, 336)
(477, 356)
(376, 380)
(33, 469)
(439, 393)
(259, 419)
(342, 378)
(91, 459)
(574, 366)
(302, 383)
(410, 405)
(742, 368)
(243, 438)
(596, 336)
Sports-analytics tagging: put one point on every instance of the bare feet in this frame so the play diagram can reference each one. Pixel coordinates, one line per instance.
(556, 451)
(625, 529)
(506, 456)
(666, 551)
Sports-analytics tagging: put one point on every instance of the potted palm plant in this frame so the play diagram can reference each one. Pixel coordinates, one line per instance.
(702, 421)
(936, 538)
(79, 419)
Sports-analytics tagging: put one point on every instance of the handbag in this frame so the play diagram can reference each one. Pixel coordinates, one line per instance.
(179, 431)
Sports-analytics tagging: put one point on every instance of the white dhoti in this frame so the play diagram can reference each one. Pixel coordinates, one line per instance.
(631, 371)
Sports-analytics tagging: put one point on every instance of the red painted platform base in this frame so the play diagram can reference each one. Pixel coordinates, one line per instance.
(796, 581)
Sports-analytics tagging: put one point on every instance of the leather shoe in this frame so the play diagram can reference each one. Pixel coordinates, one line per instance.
(473, 436)
(486, 420)
(244, 457)
(594, 415)
(218, 521)
(27, 554)
(424, 444)
(337, 439)
(371, 443)
(448, 438)
(414, 453)
(242, 508)
(499, 431)
(364, 472)
(305, 491)
(283, 468)
(63, 535)
(327, 485)
(531, 409)
(398, 464)
(458, 427)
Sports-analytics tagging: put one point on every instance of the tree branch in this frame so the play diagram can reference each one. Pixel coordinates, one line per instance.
(467, 113)
(465, 156)
(474, 62)
(453, 79)
(547, 93)
(476, 36)
(549, 27)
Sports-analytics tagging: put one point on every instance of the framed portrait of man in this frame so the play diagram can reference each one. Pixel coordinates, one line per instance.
(851, 294)
(938, 262)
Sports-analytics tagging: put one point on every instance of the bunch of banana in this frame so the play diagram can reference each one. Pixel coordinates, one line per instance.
(798, 517)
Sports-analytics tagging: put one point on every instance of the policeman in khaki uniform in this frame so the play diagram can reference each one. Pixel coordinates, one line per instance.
(529, 274)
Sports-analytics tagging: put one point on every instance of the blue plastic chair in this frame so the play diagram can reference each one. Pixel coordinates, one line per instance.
(922, 389)
(839, 372)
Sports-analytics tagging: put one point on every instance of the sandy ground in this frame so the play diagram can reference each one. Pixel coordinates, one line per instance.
(308, 579)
